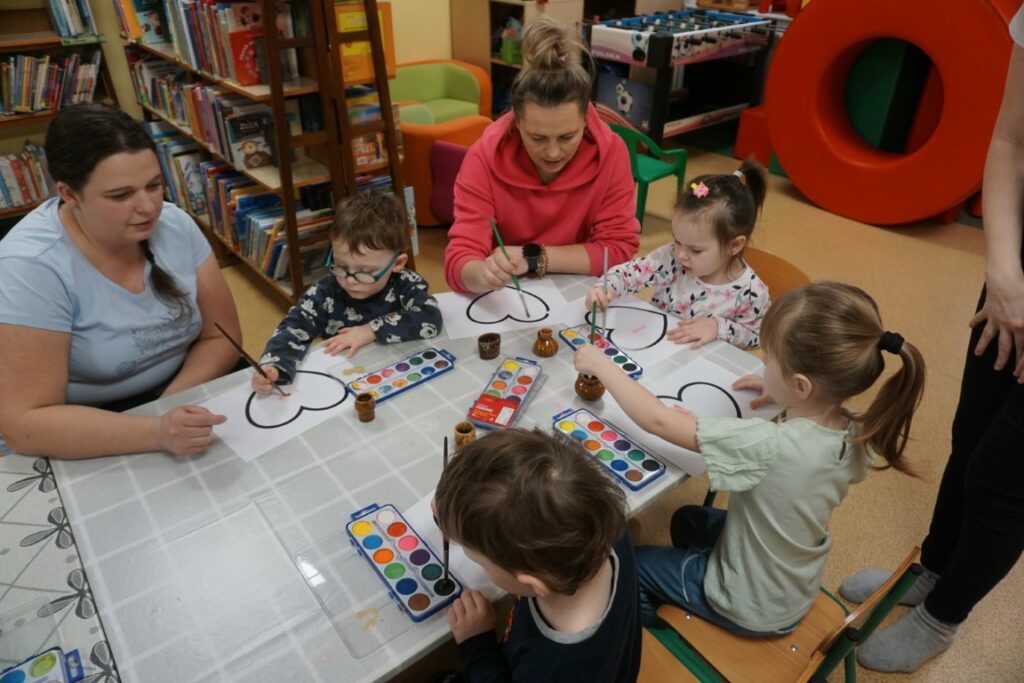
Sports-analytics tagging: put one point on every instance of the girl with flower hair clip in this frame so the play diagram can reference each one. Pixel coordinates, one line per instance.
(701, 276)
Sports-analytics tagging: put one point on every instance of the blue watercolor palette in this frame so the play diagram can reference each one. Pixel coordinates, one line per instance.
(577, 336)
(627, 461)
(507, 392)
(51, 666)
(412, 573)
(406, 374)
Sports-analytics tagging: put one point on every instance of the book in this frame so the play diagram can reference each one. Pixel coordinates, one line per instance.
(243, 55)
(252, 139)
(357, 56)
(187, 166)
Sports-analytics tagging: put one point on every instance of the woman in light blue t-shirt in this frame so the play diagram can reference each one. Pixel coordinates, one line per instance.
(108, 297)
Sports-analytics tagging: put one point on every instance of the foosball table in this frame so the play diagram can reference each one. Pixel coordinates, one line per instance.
(667, 41)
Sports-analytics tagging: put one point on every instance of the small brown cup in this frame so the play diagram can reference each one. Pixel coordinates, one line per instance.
(365, 407)
(588, 387)
(489, 345)
(465, 433)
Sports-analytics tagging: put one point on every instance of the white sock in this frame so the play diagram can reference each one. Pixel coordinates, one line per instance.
(907, 644)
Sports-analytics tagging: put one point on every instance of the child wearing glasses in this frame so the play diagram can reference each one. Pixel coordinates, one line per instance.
(367, 296)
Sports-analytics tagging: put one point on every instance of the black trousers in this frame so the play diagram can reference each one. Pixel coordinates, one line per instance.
(977, 529)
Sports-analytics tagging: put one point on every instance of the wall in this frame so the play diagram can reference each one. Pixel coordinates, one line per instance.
(422, 29)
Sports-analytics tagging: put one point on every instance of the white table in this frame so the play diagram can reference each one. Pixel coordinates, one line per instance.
(192, 561)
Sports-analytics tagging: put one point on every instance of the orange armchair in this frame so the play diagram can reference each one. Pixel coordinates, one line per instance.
(434, 98)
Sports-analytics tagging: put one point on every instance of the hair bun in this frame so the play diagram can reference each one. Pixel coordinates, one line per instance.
(547, 45)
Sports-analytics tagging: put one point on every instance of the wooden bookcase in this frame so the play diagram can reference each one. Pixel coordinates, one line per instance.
(328, 157)
(29, 30)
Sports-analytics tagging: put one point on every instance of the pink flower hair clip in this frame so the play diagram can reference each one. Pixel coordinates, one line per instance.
(699, 191)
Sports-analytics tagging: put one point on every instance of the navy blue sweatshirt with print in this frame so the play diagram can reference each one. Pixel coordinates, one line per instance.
(402, 311)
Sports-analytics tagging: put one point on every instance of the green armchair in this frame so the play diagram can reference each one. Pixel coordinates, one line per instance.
(438, 100)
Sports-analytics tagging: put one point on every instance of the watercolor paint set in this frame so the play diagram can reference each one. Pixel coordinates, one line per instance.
(406, 374)
(579, 335)
(51, 666)
(508, 391)
(413, 574)
(629, 462)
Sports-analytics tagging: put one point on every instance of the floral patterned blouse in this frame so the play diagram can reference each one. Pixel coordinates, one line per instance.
(738, 306)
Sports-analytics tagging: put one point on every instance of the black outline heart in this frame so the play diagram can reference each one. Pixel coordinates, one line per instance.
(610, 331)
(508, 316)
(344, 395)
(679, 395)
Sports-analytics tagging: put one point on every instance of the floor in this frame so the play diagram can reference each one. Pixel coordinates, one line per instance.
(925, 278)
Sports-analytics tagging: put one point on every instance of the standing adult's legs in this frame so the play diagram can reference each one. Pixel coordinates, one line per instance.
(977, 531)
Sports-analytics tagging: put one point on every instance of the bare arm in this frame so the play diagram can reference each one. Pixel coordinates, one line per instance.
(211, 355)
(1003, 313)
(642, 406)
(34, 420)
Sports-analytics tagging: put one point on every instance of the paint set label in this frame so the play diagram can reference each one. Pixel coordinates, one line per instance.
(507, 392)
(406, 374)
(579, 335)
(412, 573)
(627, 461)
(51, 666)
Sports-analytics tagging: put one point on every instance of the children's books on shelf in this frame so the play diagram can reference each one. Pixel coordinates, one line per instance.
(71, 17)
(357, 56)
(25, 177)
(32, 83)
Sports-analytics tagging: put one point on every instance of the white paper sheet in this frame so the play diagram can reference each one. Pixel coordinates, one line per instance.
(635, 326)
(470, 315)
(688, 387)
(256, 425)
(472, 575)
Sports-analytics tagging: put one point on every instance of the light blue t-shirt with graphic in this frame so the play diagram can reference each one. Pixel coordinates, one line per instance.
(121, 343)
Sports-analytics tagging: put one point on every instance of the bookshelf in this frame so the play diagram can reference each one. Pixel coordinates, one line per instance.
(189, 85)
(475, 22)
(66, 65)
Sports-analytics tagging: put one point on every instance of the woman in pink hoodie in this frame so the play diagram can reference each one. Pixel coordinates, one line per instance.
(553, 176)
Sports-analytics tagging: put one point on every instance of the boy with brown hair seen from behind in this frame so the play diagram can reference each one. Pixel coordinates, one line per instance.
(549, 527)
(367, 295)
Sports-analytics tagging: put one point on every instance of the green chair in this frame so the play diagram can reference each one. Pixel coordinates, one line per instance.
(649, 166)
(686, 648)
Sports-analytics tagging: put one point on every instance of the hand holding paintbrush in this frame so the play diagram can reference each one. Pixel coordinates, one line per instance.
(265, 373)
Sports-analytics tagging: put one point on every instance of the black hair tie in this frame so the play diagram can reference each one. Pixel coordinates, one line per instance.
(891, 342)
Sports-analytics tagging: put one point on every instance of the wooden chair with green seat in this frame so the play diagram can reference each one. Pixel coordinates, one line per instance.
(685, 648)
(650, 166)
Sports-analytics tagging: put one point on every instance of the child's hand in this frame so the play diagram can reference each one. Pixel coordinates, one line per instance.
(700, 331)
(590, 360)
(754, 383)
(471, 615)
(350, 338)
(264, 385)
(597, 294)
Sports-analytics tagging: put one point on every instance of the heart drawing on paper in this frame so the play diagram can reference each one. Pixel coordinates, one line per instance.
(309, 391)
(705, 399)
(632, 328)
(488, 308)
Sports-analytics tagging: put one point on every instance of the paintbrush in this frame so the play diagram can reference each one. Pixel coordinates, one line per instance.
(515, 280)
(593, 320)
(445, 538)
(604, 313)
(248, 358)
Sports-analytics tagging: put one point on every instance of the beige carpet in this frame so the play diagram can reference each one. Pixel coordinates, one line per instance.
(926, 279)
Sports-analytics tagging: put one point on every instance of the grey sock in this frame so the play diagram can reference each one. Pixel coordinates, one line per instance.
(907, 644)
(863, 584)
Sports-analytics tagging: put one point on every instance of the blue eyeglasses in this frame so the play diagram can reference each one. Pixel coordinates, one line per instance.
(362, 277)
